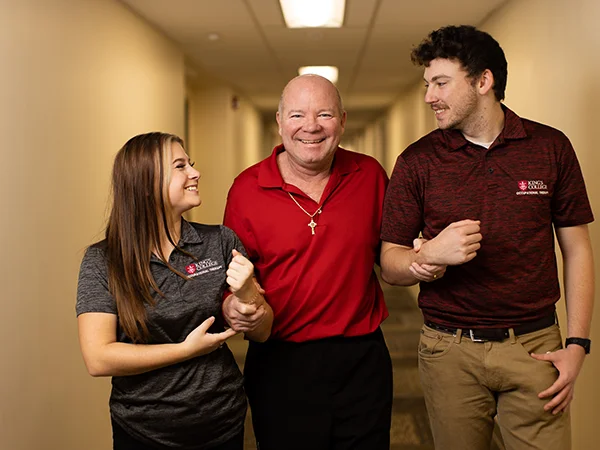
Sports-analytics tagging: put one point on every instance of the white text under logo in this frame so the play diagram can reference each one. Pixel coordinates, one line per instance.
(532, 187)
(202, 267)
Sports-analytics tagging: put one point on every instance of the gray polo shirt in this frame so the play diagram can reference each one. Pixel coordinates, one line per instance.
(195, 404)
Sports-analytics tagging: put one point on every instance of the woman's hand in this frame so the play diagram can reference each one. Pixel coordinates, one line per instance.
(246, 310)
(200, 342)
(240, 275)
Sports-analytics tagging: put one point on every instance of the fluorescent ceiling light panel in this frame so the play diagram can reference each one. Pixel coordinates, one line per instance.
(329, 72)
(313, 13)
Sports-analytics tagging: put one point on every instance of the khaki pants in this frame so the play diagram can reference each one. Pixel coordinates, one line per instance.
(467, 383)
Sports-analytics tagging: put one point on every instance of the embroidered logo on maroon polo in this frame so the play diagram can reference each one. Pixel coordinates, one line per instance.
(532, 187)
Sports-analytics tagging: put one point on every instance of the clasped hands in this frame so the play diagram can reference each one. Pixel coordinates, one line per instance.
(456, 244)
(245, 306)
(244, 310)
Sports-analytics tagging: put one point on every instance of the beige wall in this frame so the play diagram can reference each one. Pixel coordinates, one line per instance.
(250, 135)
(223, 141)
(79, 77)
(371, 140)
(552, 47)
(408, 119)
(210, 144)
(271, 136)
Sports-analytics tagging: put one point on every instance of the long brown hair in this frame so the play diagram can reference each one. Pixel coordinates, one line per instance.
(139, 220)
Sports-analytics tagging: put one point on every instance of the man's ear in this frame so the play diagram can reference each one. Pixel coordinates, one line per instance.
(343, 121)
(278, 119)
(485, 82)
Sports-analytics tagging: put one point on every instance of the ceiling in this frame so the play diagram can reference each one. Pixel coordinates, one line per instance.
(257, 54)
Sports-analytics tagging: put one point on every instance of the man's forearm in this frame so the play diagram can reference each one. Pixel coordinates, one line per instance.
(578, 266)
(395, 264)
(579, 293)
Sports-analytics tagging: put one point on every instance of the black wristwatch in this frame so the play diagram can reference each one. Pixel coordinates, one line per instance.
(585, 343)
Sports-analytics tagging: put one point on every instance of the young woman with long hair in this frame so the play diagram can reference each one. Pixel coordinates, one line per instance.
(149, 307)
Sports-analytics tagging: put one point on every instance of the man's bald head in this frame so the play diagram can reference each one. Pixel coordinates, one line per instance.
(313, 81)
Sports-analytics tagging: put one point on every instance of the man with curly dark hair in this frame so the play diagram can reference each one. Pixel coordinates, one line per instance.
(488, 191)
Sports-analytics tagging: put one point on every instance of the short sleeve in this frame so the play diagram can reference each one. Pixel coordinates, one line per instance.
(93, 294)
(570, 203)
(402, 206)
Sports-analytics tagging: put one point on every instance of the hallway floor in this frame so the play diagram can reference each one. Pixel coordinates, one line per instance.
(410, 426)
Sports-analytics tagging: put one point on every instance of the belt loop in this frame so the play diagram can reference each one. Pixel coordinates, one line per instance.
(458, 336)
(556, 319)
(511, 336)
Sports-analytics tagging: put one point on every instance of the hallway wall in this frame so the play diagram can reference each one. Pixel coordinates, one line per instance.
(79, 78)
(552, 48)
(408, 119)
(224, 140)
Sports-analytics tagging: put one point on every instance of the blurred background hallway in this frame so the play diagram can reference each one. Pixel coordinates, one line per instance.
(80, 77)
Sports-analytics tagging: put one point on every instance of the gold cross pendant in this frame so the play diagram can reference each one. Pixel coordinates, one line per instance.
(312, 225)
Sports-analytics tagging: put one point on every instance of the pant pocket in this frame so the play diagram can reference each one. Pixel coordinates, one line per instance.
(434, 344)
(541, 341)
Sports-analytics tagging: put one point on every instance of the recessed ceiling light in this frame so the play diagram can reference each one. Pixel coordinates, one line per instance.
(313, 13)
(329, 72)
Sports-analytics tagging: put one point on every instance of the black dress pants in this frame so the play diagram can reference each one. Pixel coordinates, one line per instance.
(328, 394)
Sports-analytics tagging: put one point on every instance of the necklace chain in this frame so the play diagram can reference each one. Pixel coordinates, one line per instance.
(312, 224)
(318, 211)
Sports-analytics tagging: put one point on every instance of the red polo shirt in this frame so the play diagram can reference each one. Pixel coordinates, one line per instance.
(319, 285)
(528, 181)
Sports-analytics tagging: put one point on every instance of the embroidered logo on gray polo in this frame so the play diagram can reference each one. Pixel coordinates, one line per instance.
(202, 267)
(532, 187)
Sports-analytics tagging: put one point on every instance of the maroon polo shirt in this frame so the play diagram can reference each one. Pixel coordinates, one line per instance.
(319, 285)
(528, 181)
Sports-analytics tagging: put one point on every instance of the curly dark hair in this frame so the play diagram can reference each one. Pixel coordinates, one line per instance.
(476, 50)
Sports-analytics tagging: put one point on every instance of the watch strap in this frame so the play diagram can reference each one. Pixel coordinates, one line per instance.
(583, 342)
